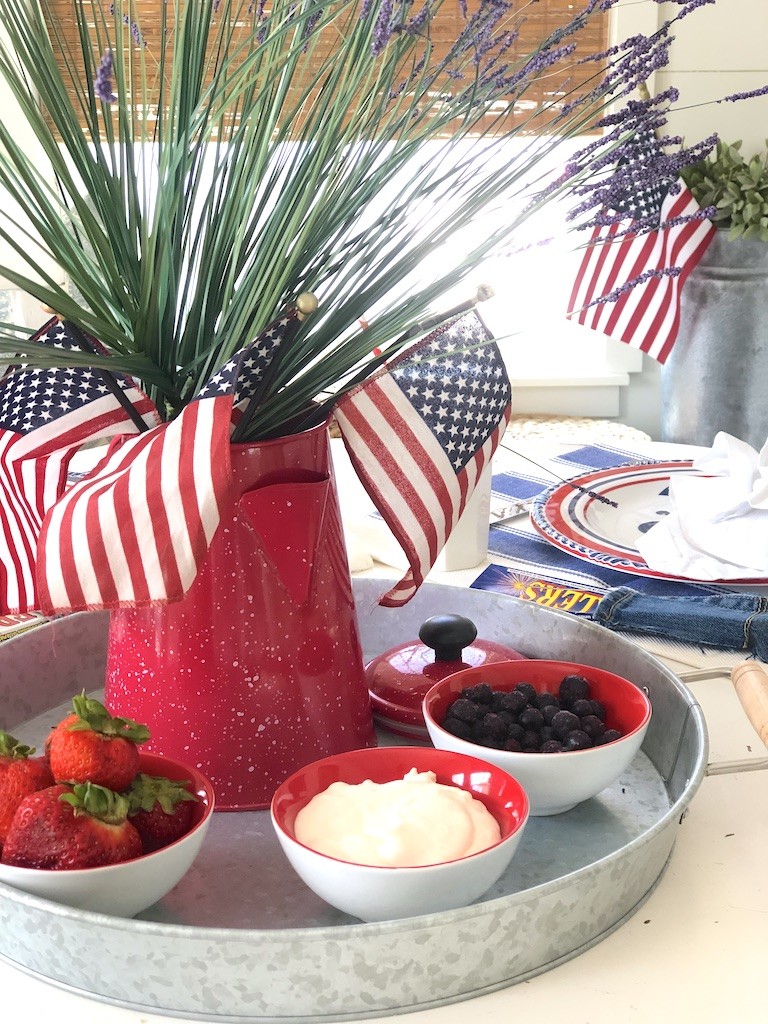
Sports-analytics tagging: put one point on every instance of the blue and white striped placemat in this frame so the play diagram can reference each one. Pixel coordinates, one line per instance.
(531, 554)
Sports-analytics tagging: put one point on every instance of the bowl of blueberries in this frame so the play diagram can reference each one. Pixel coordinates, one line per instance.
(564, 730)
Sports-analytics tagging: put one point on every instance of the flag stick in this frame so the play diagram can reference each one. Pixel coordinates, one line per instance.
(306, 304)
(108, 377)
(561, 479)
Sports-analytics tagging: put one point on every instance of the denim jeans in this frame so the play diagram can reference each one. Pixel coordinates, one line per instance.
(738, 622)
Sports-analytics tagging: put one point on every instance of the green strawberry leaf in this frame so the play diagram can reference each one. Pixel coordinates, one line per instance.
(98, 802)
(92, 715)
(11, 747)
(148, 790)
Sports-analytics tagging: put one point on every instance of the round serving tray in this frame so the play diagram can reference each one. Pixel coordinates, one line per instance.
(242, 939)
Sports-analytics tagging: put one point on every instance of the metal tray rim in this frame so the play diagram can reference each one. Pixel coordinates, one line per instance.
(648, 853)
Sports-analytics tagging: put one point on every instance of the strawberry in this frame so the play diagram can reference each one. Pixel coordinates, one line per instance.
(161, 810)
(91, 746)
(67, 827)
(20, 775)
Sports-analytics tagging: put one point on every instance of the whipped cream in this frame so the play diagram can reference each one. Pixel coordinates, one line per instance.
(404, 823)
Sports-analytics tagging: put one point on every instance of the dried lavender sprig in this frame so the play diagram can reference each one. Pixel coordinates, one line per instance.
(533, 69)
(630, 177)
(647, 275)
(136, 32)
(382, 30)
(688, 6)
(622, 229)
(752, 94)
(102, 84)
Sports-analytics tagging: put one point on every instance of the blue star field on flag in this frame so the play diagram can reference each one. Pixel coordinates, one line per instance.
(244, 372)
(32, 398)
(458, 386)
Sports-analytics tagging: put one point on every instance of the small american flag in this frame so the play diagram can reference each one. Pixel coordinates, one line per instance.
(45, 416)
(420, 433)
(646, 314)
(136, 530)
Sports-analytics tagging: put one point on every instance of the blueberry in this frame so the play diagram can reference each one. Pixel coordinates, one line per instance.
(494, 743)
(549, 711)
(582, 708)
(465, 709)
(494, 727)
(514, 702)
(546, 700)
(563, 723)
(478, 731)
(528, 691)
(514, 745)
(551, 747)
(457, 727)
(516, 732)
(531, 718)
(497, 703)
(577, 739)
(609, 736)
(573, 688)
(480, 694)
(599, 710)
(592, 726)
(530, 740)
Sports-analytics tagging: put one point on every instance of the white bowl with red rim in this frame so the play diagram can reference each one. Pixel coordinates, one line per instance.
(554, 782)
(375, 893)
(125, 889)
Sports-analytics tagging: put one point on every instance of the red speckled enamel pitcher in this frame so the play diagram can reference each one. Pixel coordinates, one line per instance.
(258, 670)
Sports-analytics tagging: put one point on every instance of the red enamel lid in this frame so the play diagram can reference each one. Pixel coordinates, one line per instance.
(399, 678)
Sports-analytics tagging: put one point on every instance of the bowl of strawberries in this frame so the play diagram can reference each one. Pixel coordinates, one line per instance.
(95, 822)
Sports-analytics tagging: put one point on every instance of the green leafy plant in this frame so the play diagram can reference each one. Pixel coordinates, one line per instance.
(192, 177)
(736, 187)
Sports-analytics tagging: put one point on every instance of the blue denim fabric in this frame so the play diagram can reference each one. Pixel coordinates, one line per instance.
(738, 622)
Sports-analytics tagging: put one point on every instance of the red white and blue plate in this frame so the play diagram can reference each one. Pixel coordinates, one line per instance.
(606, 534)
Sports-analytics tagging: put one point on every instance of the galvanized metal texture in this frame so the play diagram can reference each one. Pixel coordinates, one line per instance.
(242, 939)
(716, 377)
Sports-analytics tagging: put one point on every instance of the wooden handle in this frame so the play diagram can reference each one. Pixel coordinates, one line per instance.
(751, 682)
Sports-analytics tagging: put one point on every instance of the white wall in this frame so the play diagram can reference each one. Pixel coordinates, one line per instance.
(718, 50)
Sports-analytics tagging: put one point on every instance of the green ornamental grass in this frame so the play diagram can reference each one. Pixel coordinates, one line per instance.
(198, 177)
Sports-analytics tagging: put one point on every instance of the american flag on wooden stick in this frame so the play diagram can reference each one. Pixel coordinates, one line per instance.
(420, 433)
(629, 282)
(45, 416)
(136, 530)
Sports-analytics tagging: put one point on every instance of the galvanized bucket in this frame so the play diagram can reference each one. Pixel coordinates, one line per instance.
(717, 375)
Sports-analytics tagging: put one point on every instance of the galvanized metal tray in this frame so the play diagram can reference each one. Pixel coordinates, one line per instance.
(242, 939)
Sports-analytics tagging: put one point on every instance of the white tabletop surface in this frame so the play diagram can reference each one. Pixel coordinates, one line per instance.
(696, 951)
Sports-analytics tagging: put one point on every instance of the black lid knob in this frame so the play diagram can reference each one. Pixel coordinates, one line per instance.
(448, 635)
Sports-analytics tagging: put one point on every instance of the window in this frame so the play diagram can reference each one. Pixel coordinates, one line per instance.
(535, 279)
(533, 21)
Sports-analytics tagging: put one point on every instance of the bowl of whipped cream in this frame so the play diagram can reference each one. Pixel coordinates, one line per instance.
(396, 832)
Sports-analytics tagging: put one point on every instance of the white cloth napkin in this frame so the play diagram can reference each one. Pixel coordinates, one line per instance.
(717, 528)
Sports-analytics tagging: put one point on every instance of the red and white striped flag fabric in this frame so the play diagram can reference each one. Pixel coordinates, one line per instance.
(629, 283)
(135, 531)
(420, 433)
(45, 416)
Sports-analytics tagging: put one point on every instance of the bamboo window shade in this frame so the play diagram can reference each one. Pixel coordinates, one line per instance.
(537, 20)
